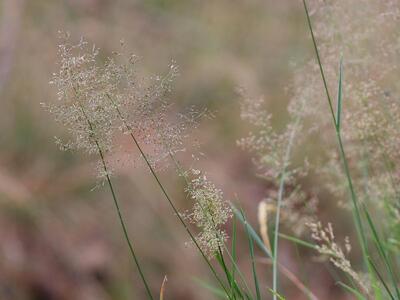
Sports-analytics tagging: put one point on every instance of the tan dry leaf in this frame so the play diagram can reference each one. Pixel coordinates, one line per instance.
(162, 290)
(263, 209)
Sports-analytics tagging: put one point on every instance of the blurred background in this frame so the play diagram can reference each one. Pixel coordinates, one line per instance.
(59, 237)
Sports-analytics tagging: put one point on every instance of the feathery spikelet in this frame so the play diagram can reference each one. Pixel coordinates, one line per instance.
(82, 105)
(210, 212)
(97, 100)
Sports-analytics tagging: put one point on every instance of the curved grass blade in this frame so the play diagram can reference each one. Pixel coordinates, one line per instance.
(114, 196)
(298, 241)
(355, 209)
(352, 290)
(253, 265)
(381, 251)
(381, 279)
(252, 232)
(167, 197)
(261, 244)
(214, 290)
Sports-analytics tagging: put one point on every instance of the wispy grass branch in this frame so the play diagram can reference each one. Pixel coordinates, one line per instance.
(175, 210)
(120, 217)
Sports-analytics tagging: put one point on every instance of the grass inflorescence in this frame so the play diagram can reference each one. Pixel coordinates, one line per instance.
(358, 164)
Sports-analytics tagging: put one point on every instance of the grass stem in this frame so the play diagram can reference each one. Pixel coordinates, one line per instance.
(175, 210)
(120, 217)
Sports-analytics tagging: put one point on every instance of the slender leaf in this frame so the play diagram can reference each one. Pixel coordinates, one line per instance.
(253, 265)
(355, 209)
(234, 258)
(381, 279)
(216, 291)
(382, 251)
(352, 290)
(339, 96)
(252, 232)
(298, 241)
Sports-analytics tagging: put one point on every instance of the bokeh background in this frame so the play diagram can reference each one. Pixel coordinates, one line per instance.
(59, 237)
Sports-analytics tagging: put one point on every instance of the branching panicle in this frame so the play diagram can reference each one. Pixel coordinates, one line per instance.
(210, 212)
(327, 246)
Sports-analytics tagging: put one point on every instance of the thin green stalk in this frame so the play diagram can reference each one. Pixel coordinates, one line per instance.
(121, 219)
(352, 290)
(302, 270)
(236, 269)
(253, 265)
(356, 210)
(220, 253)
(221, 261)
(339, 96)
(382, 252)
(232, 283)
(337, 130)
(278, 209)
(252, 232)
(297, 241)
(381, 279)
(175, 210)
(233, 247)
(261, 245)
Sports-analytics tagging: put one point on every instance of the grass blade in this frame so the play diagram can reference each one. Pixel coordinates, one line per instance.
(214, 290)
(381, 279)
(251, 231)
(261, 245)
(355, 208)
(167, 197)
(281, 192)
(276, 294)
(352, 290)
(298, 241)
(381, 251)
(339, 96)
(248, 294)
(114, 196)
(235, 289)
(253, 265)
(234, 258)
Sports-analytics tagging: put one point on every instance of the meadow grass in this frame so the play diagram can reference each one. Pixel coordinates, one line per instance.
(97, 102)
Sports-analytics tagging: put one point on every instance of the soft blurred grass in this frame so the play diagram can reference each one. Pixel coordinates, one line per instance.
(61, 241)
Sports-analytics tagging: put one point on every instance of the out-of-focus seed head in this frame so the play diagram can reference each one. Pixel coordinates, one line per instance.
(273, 152)
(327, 246)
(365, 34)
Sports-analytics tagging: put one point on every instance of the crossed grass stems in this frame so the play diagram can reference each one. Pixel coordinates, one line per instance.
(116, 202)
(235, 290)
